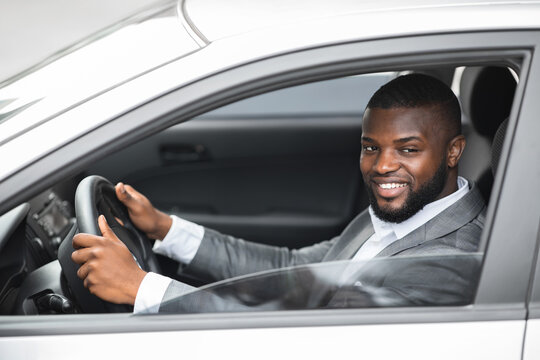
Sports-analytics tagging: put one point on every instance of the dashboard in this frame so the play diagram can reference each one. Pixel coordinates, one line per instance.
(49, 220)
(31, 281)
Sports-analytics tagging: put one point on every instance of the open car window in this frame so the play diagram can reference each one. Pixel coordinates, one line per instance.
(438, 279)
(280, 169)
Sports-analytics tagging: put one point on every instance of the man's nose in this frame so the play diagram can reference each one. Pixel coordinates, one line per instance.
(386, 162)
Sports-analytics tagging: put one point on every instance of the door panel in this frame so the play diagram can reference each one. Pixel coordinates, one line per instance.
(494, 340)
(531, 348)
(273, 184)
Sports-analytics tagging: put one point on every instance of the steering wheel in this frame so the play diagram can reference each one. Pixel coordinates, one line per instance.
(95, 195)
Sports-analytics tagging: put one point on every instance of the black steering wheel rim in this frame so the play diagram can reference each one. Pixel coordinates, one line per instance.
(96, 196)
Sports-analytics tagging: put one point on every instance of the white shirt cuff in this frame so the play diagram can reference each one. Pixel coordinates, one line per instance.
(150, 293)
(181, 242)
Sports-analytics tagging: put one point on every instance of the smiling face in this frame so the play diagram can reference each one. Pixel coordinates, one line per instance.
(409, 159)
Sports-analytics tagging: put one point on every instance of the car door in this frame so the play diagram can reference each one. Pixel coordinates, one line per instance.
(531, 348)
(493, 326)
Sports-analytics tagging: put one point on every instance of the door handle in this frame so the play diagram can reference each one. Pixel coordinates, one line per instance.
(182, 153)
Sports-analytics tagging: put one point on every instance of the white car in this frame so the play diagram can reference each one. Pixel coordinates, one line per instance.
(274, 92)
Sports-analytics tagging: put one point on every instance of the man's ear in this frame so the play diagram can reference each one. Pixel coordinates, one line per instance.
(455, 149)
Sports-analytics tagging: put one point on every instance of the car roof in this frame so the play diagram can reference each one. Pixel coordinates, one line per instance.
(216, 19)
(274, 26)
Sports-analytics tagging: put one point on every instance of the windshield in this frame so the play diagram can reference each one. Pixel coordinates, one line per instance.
(380, 282)
(108, 60)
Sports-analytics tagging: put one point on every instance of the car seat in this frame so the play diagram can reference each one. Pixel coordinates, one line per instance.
(486, 95)
(496, 147)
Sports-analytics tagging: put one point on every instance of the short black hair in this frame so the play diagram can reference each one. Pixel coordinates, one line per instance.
(418, 90)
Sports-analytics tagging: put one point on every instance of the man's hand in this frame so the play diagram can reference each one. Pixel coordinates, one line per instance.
(107, 266)
(145, 216)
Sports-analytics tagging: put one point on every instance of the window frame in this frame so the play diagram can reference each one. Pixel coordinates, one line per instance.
(492, 302)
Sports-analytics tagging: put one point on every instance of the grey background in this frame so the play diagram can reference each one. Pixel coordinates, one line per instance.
(32, 30)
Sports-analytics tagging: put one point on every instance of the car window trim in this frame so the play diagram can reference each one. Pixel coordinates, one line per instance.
(125, 323)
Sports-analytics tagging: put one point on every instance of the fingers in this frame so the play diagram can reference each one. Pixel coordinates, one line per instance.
(119, 221)
(86, 240)
(105, 228)
(107, 267)
(83, 271)
(125, 193)
(83, 255)
(82, 240)
(131, 191)
(121, 193)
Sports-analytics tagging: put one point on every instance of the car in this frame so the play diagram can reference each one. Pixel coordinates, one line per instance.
(246, 117)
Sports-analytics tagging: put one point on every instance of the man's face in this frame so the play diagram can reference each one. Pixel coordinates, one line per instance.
(403, 160)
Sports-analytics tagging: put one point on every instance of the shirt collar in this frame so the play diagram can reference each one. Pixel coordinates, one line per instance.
(384, 228)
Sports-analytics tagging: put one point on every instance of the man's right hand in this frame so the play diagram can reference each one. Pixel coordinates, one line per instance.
(145, 216)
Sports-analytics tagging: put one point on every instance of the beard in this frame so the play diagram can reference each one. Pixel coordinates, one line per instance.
(416, 200)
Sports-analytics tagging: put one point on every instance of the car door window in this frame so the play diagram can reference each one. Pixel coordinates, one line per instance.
(343, 290)
(381, 282)
(297, 185)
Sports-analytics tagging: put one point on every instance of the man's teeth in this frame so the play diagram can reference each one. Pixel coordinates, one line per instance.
(392, 185)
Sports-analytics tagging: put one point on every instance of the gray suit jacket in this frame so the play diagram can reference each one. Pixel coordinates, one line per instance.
(433, 270)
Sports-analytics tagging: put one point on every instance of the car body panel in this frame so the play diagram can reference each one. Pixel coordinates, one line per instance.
(531, 347)
(221, 19)
(516, 237)
(416, 341)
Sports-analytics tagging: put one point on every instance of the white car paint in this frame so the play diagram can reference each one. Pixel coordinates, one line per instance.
(441, 341)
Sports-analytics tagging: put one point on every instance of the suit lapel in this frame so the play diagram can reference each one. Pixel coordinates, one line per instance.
(356, 243)
(352, 238)
(413, 239)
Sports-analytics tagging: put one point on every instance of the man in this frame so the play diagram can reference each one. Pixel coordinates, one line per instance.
(411, 146)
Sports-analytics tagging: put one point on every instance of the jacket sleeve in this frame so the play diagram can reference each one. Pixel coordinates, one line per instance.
(222, 256)
(217, 299)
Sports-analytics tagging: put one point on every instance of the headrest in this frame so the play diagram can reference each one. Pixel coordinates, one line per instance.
(487, 94)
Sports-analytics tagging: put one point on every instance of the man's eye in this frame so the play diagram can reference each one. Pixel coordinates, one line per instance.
(369, 148)
(409, 150)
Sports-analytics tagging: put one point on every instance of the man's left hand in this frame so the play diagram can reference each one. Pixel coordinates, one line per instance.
(107, 269)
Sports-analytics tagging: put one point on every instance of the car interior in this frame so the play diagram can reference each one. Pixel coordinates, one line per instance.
(279, 168)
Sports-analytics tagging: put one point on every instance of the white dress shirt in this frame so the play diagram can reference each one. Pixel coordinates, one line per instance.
(184, 238)
(181, 244)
